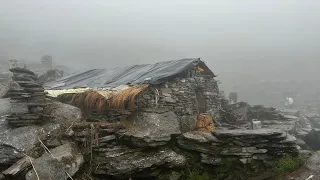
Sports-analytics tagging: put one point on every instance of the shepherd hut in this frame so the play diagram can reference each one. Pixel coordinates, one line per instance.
(187, 87)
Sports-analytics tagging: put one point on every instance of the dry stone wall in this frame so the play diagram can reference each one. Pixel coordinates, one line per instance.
(180, 96)
(27, 98)
(245, 146)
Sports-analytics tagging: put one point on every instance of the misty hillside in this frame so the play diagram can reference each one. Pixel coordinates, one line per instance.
(249, 44)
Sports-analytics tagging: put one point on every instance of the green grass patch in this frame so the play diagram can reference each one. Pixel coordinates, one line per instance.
(288, 164)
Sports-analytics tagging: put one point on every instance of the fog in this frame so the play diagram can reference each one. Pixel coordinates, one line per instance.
(242, 41)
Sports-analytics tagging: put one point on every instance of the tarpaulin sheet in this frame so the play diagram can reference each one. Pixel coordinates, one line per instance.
(136, 74)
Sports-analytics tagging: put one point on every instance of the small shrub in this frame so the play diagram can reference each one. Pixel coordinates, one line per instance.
(288, 164)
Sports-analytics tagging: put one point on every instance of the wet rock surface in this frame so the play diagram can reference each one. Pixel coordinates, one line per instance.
(15, 142)
(245, 145)
(63, 162)
(60, 113)
(138, 163)
(149, 144)
(152, 127)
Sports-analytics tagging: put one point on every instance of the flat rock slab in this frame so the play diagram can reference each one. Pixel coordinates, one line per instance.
(67, 160)
(200, 137)
(63, 112)
(22, 71)
(151, 129)
(290, 117)
(200, 141)
(128, 164)
(256, 132)
(243, 151)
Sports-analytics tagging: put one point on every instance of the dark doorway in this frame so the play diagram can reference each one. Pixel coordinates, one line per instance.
(201, 101)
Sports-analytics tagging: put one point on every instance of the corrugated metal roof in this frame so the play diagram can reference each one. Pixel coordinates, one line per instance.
(136, 74)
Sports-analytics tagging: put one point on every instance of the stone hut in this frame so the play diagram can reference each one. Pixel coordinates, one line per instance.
(186, 87)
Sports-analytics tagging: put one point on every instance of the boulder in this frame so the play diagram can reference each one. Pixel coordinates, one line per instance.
(63, 112)
(139, 163)
(312, 139)
(65, 161)
(151, 128)
(14, 143)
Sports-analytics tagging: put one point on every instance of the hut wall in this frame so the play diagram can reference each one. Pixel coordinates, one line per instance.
(181, 95)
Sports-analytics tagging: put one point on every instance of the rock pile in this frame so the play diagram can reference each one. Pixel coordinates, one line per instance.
(122, 150)
(95, 137)
(245, 146)
(264, 113)
(15, 143)
(27, 99)
(270, 117)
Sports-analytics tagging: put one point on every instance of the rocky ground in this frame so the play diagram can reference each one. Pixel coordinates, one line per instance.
(18, 143)
(150, 145)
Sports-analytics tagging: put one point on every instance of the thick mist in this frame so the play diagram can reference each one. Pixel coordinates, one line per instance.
(242, 41)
